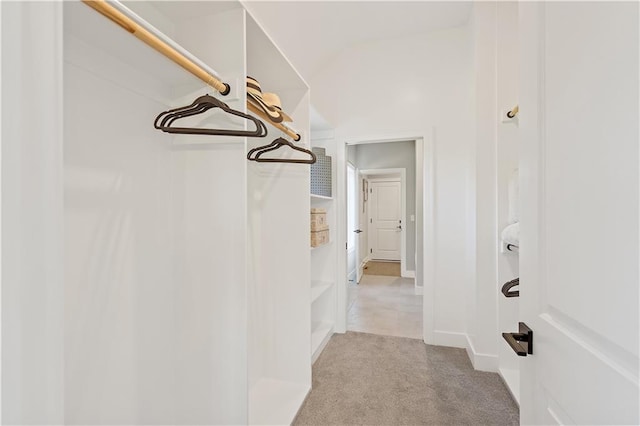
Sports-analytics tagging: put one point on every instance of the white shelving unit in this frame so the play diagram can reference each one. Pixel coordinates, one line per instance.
(184, 235)
(321, 197)
(279, 369)
(320, 335)
(274, 401)
(318, 288)
(323, 269)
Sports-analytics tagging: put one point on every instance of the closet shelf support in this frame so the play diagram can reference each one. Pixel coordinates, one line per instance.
(122, 16)
(292, 134)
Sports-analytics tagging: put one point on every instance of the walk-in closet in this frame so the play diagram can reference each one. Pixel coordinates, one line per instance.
(185, 263)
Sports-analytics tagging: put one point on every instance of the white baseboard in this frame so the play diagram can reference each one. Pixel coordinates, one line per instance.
(450, 338)
(511, 379)
(481, 362)
(419, 290)
(408, 274)
(323, 345)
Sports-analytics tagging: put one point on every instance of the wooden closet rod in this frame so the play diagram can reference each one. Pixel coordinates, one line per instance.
(145, 32)
(254, 109)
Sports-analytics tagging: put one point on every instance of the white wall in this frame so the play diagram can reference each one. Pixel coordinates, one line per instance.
(402, 89)
(507, 155)
(495, 38)
(395, 155)
(32, 214)
(154, 237)
(482, 294)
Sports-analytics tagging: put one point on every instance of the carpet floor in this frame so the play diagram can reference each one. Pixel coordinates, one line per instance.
(366, 379)
(390, 269)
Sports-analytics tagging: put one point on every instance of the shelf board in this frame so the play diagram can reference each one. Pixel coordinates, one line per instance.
(321, 197)
(322, 245)
(99, 32)
(275, 402)
(320, 334)
(318, 288)
(512, 379)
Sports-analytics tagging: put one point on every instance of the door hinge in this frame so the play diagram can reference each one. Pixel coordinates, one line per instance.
(371, 191)
(370, 220)
(370, 250)
(346, 246)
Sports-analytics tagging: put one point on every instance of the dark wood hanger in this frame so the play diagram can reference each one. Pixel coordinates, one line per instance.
(256, 153)
(200, 105)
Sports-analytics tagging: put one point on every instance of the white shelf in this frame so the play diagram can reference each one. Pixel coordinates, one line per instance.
(275, 402)
(101, 34)
(318, 288)
(320, 334)
(321, 245)
(321, 197)
(512, 380)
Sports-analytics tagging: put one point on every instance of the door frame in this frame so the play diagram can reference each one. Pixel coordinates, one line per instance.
(425, 227)
(373, 176)
(365, 209)
(349, 206)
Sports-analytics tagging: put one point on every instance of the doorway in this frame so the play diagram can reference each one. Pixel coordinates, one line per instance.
(381, 242)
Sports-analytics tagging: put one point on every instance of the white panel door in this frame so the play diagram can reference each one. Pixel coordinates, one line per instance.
(352, 222)
(363, 186)
(385, 224)
(579, 212)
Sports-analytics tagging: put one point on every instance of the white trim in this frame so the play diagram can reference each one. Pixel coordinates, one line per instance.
(1, 248)
(425, 227)
(451, 339)
(323, 344)
(511, 379)
(352, 275)
(409, 274)
(1, 145)
(419, 291)
(481, 362)
(425, 214)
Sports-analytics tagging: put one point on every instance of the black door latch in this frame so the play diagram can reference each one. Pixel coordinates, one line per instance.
(522, 342)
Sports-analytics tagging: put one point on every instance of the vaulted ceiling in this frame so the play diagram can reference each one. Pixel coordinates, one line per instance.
(310, 33)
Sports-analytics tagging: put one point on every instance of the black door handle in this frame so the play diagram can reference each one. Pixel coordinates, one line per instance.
(508, 286)
(357, 231)
(522, 342)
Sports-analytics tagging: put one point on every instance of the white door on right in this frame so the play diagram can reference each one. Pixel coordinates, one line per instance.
(386, 221)
(579, 148)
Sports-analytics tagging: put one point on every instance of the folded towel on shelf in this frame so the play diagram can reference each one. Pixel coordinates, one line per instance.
(511, 234)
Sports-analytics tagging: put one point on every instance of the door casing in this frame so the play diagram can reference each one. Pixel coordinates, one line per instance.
(425, 227)
(373, 174)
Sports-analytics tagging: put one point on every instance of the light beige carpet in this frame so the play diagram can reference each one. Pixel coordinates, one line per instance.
(390, 269)
(365, 379)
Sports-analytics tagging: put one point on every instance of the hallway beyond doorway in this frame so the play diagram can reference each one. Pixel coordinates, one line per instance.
(385, 305)
(387, 268)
